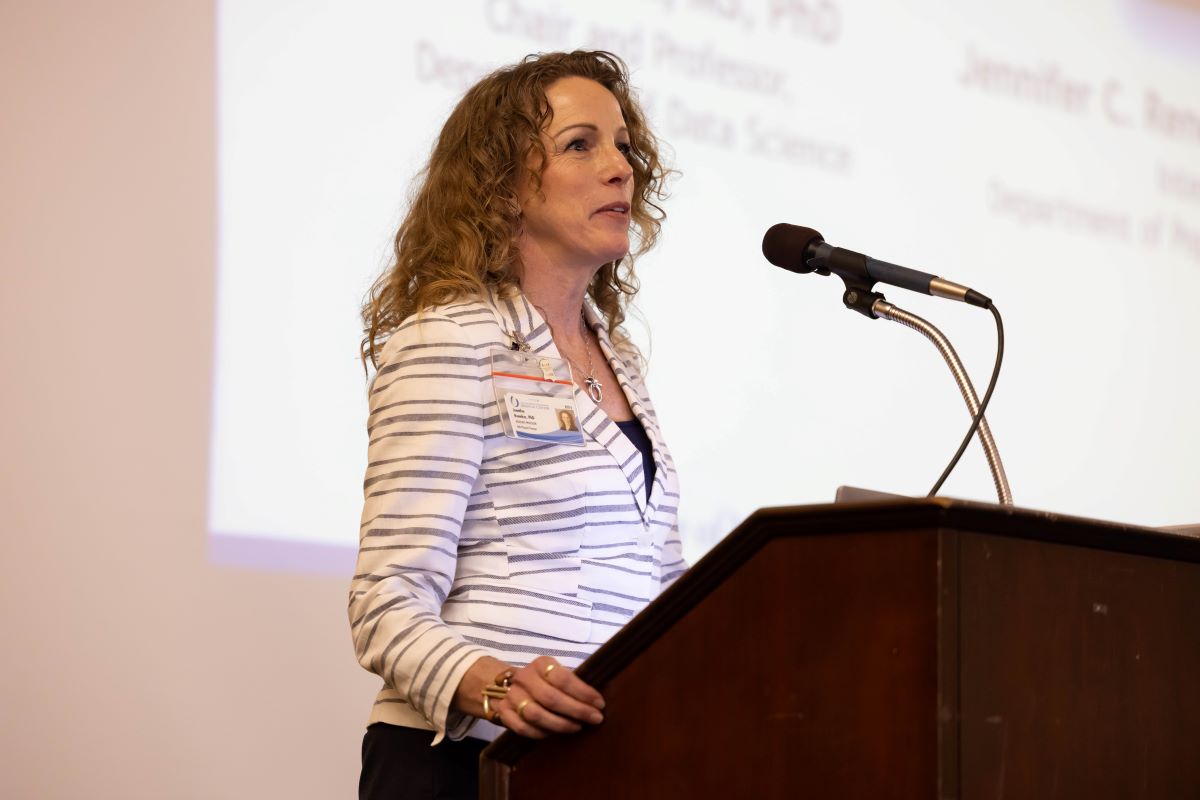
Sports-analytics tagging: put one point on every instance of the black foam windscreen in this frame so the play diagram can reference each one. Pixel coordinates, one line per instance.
(786, 246)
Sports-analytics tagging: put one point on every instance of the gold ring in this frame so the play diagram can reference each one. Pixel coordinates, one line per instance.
(521, 708)
(493, 715)
(549, 668)
(497, 690)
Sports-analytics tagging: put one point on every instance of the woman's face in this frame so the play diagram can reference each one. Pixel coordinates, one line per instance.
(580, 219)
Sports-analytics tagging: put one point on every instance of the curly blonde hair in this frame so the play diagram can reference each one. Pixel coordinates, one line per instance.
(459, 236)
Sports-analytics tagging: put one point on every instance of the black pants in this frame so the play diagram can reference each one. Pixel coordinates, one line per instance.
(399, 764)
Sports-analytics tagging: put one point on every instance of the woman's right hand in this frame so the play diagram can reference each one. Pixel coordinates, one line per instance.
(545, 697)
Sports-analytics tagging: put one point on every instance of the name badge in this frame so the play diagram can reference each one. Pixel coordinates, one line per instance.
(536, 397)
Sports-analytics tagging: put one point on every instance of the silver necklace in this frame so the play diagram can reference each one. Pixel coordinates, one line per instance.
(595, 389)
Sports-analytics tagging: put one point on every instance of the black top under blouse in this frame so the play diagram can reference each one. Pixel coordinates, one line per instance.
(636, 433)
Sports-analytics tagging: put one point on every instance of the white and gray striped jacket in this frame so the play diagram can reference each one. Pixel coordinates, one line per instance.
(473, 543)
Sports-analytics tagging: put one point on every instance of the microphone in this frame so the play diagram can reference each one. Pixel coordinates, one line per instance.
(802, 250)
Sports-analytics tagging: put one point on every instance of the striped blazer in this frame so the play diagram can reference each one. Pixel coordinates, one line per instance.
(473, 543)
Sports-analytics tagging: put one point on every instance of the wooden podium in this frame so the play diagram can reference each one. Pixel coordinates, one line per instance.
(901, 649)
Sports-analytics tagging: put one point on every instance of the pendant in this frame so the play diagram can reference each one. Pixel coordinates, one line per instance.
(594, 389)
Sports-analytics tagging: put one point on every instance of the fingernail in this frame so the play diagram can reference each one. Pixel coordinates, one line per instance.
(599, 704)
(597, 719)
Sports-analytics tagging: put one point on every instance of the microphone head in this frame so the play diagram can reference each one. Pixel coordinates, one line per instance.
(787, 246)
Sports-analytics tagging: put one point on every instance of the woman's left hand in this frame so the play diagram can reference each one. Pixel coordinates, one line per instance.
(547, 698)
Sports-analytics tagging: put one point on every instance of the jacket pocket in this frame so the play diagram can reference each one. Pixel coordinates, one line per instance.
(540, 507)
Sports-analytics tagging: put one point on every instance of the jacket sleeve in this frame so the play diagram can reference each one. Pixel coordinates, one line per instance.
(425, 432)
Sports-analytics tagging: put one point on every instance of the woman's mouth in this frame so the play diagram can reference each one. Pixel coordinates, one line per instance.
(614, 210)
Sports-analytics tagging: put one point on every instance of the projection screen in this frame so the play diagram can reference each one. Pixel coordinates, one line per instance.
(1046, 154)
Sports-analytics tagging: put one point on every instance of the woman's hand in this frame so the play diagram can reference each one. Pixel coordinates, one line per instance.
(547, 698)
(544, 698)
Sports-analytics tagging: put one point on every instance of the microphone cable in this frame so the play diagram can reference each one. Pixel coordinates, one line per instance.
(983, 404)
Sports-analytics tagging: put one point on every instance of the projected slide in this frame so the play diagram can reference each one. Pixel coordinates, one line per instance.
(1048, 156)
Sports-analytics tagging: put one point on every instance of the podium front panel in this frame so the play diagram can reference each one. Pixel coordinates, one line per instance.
(813, 668)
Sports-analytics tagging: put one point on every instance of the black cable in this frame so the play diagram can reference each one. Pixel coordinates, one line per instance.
(987, 397)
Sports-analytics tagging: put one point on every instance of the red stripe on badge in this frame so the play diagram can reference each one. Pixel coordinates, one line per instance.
(529, 378)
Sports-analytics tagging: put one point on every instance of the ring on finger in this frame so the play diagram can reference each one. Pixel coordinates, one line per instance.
(521, 708)
(489, 713)
(549, 668)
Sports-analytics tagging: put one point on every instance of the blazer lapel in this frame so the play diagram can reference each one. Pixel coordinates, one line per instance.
(630, 382)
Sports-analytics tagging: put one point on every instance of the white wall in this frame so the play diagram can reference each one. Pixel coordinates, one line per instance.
(133, 669)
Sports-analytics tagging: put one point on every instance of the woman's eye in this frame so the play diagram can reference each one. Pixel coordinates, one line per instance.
(577, 144)
(626, 148)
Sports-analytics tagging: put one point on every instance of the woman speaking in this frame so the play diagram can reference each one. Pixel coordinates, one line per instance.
(499, 548)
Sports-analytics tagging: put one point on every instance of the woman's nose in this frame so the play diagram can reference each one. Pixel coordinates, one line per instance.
(618, 170)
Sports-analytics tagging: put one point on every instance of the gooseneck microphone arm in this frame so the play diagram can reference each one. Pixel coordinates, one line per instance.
(882, 308)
